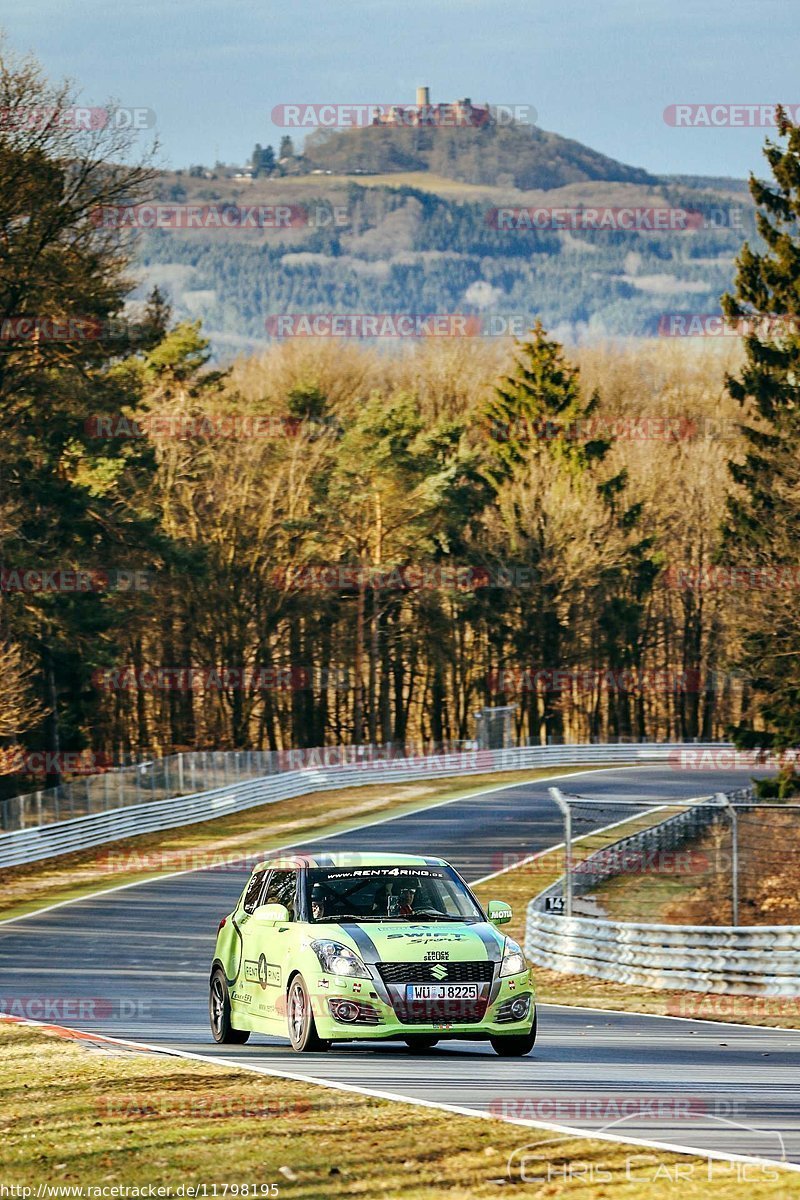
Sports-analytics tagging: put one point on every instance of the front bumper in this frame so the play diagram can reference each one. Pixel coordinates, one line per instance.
(346, 1009)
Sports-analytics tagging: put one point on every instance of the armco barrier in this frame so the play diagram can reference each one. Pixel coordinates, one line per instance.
(761, 960)
(62, 837)
(735, 960)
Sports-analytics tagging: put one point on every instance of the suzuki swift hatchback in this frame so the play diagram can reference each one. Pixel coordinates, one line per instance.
(340, 947)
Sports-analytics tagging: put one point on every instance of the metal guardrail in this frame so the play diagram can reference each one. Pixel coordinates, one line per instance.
(96, 828)
(728, 959)
(140, 783)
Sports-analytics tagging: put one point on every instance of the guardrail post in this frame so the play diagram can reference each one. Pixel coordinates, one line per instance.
(723, 799)
(566, 811)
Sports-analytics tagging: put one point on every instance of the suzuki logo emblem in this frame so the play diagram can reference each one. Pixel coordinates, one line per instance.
(439, 971)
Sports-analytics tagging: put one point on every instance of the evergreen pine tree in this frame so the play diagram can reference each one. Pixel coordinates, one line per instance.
(763, 520)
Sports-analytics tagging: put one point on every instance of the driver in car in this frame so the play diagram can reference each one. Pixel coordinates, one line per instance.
(406, 901)
(317, 902)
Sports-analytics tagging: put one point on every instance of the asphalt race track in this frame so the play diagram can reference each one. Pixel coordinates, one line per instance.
(138, 958)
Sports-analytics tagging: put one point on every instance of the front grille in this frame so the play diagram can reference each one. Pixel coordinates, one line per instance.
(457, 972)
(440, 1012)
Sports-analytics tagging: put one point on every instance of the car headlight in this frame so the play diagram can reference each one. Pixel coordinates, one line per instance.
(336, 959)
(513, 960)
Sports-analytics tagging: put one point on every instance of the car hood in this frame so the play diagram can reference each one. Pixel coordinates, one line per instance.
(392, 941)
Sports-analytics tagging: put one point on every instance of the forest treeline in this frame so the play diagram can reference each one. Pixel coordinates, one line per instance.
(403, 249)
(331, 543)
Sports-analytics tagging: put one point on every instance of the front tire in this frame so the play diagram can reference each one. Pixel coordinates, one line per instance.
(219, 1012)
(300, 1019)
(516, 1045)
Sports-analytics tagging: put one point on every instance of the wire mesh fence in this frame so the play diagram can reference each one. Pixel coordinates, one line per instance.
(723, 859)
(186, 774)
(156, 779)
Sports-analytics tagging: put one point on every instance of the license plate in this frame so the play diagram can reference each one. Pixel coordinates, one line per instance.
(442, 991)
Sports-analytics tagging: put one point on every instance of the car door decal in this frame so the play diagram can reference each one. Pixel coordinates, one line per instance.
(264, 973)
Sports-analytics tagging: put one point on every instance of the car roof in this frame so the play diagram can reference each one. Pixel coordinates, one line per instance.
(355, 858)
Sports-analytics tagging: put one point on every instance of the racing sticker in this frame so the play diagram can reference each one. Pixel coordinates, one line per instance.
(421, 935)
(414, 872)
(263, 973)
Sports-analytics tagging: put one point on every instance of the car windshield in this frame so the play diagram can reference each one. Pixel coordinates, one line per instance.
(409, 893)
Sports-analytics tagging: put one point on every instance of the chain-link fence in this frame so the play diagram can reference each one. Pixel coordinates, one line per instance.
(157, 779)
(185, 774)
(723, 859)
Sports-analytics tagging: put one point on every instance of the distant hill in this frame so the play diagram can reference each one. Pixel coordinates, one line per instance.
(417, 236)
(519, 156)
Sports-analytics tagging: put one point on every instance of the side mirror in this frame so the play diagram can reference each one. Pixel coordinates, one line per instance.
(499, 912)
(272, 914)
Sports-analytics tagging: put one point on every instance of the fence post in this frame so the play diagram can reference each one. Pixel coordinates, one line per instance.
(562, 803)
(723, 799)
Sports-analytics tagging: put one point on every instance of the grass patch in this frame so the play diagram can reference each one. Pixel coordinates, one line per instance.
(257, 830)
(73, 1116)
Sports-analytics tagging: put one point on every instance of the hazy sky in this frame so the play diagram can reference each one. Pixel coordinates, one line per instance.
(601, 71)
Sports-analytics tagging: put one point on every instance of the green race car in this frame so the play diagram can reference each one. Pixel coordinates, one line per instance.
(338, 947)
